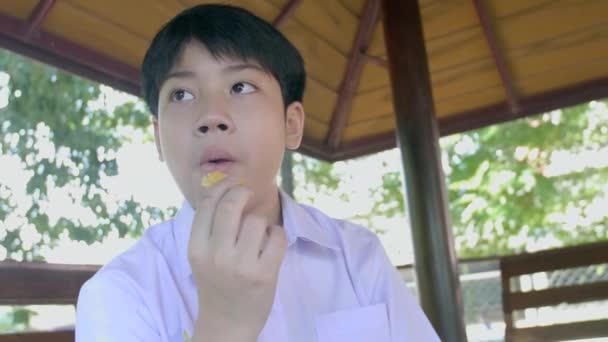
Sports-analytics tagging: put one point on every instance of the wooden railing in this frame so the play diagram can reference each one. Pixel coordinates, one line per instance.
(546, 261)
(25, 283)
(50, 336)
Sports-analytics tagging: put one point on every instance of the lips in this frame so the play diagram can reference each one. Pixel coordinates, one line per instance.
(215, 159)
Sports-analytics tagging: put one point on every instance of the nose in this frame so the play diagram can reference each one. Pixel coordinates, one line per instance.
(215, 120)
(207, 127)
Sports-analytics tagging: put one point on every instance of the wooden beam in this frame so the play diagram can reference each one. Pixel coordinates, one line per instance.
(361, 147)
(418, 139)
(316, 149)
(376, 60)
(352, 74)
(555, 259)
(46, 336)
(37, 17)
(286, 13)
(497, 56)
(532, 105)
(41, 283)
(562, 332)
(54, 50)
(490, 115)
(558, 295)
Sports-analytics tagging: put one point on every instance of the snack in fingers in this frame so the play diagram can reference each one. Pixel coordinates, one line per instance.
(214, 177)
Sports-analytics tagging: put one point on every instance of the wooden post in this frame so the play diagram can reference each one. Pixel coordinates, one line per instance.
(418, 139)
(287, 173)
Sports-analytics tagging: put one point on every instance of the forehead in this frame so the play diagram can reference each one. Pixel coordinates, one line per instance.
(194, 54)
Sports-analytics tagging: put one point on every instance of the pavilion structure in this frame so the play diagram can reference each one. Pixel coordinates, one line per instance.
(381, 73)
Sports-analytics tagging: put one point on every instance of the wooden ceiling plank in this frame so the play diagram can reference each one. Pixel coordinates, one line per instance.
(559, 78)
(497, 56)
(490, 115)
(353, 72)
(54, 50)
(328, 20)
(447, 85)
(40, 12)
(286, 13)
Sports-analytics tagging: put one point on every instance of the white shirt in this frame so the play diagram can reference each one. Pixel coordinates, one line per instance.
(336, 284)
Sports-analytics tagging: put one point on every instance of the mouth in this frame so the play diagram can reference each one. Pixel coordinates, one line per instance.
(217, 161)
(217, 165)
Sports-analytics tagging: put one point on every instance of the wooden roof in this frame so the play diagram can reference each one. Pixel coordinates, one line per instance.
(490, 61)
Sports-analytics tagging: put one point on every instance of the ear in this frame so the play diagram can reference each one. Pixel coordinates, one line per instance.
(294, 125)
(157, 138)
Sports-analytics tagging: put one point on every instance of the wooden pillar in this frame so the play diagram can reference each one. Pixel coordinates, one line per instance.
(418, 139)
(287, 173)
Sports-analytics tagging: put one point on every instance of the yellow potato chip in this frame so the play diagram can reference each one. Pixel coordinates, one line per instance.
(214, 177)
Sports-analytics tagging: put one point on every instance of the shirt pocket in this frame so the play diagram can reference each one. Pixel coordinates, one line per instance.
(369, 323)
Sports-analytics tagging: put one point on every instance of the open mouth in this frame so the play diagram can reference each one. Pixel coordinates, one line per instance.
(220, 164)
(220, 161)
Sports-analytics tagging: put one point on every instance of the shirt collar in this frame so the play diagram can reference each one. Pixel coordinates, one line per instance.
(298, 222)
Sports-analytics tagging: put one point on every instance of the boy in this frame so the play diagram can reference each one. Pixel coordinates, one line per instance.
(241, 261)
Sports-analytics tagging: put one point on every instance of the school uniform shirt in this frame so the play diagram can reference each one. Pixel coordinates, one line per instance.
(335, 284)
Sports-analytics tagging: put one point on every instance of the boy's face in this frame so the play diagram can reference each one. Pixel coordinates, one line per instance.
(223, 115)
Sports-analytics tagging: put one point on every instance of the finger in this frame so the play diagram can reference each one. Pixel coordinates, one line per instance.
(208, 199)
(228, 215)
(275, 248)
(251, 237)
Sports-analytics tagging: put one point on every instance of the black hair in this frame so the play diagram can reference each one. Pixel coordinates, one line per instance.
(226, 31)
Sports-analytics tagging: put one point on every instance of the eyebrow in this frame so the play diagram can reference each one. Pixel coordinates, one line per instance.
(243, 66)
(179, 74)
(182, 74)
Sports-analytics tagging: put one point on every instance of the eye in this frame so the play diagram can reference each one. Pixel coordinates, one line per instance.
(242, 88)
(181, 95)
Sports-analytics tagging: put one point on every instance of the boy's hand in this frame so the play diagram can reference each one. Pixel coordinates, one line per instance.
(235, 259)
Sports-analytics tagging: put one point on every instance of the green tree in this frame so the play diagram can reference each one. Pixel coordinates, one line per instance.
(504, 196)
(54, 123)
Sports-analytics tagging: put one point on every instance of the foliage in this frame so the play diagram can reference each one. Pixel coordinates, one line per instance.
(506, 193)
(57, 125)
(18, 318)
(508, 185)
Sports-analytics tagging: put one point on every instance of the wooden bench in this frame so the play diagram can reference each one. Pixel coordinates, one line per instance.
(31, 283)
(546, 261)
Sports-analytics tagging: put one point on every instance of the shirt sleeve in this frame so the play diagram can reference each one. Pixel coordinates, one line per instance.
(383, 284)
(109, 308)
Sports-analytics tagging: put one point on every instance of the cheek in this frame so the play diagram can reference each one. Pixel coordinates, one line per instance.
(174, 140)
(270, 147)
